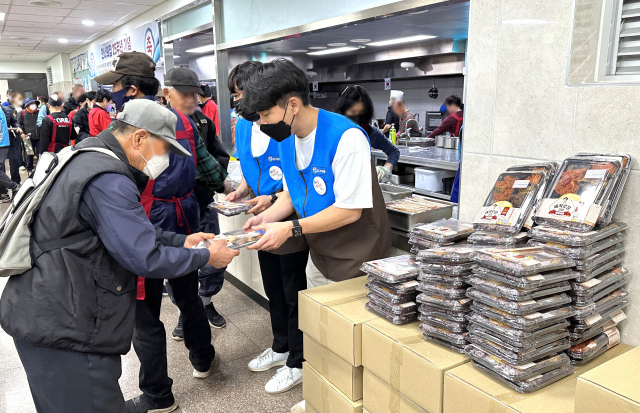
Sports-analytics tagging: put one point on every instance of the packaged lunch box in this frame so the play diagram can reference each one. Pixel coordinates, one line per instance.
(533, 384)
(458, 339)
(586, 275)
(610, 300)
(616, 315)
(599, 283)
(509, 203)
(425, 244)
(397, 319)
(519, 356)
(451, 281)
(513, 333)
(229, 209)
(598, 258)
(586, 300)
(576, 197)
(445, 303)
(592, 348)
(235, 239)
(455, 254)
(515, 293)
(443, 290)
(546, 233)
(518, 307)
(389, 294)
(586, 251)
(520, 344)
(549, 168)
(443, 231)
(406, 287)
(449, 325)
(446, 269)
(393, 270)
(497, 238)
(459, 316)
(403, 308)
(521, 261)
(530, 322)
(528, 283)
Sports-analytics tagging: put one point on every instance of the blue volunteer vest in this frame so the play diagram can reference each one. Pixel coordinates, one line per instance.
(263, 173)
(311, 189)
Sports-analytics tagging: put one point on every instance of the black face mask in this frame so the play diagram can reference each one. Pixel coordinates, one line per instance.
(358, 119)
(278, 131)
(250, 116)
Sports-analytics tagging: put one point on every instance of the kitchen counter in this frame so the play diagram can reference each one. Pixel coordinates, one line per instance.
(434, 157)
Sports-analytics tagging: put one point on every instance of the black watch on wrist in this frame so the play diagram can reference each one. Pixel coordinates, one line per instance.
(274, 198)
(297, 229)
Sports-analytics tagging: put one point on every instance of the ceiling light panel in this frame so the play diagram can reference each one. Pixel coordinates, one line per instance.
(400, 40)
(332, 51)
(336, 44)
(202, 49)
(317, 47)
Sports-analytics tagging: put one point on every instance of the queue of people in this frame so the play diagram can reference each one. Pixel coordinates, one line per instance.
(144, 181)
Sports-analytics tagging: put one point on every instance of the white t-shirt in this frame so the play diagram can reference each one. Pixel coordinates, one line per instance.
(351, 168)
(259, 141)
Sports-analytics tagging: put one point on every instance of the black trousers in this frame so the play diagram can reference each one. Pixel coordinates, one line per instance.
(283, 276)
(150, 341)
(72, 382)
(15, 157)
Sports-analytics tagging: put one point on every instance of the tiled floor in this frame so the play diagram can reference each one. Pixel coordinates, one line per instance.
(231, 388)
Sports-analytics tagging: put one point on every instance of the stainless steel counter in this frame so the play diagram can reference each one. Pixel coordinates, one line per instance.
(439, 158)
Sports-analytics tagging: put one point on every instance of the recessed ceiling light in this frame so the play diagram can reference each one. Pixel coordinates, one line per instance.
(402, 40)
(63, 41)
(299, 51)
(19, 38)
(202, 49)
(88, 22)
(176, 56)
(360, 40)
(331, 51)
(46, 3)
(336, 44)
(317, 47)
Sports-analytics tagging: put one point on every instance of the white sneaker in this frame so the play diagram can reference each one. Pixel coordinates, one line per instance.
(267, 360)
(285, 379)
(202, 374)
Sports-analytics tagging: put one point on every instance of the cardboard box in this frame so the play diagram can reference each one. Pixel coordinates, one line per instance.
(339, 372)
(323, 396)
(379, 397)
(407, 362)
(466, 389)
(612, 387)
(333, 315)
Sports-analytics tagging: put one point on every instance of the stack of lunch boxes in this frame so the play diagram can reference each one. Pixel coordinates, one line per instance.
(439, 234)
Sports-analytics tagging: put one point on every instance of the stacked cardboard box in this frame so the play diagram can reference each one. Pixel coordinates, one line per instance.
(467, 390)
(331, 319)
(402, 372)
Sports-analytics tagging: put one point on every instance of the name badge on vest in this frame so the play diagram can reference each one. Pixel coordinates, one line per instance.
(318, 183)
(275, 173)
(203, 121)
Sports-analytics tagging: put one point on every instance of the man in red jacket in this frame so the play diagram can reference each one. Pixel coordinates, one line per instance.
(99, 117)
(209, 107)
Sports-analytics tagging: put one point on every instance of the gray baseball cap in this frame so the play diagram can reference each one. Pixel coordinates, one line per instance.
(155, 119)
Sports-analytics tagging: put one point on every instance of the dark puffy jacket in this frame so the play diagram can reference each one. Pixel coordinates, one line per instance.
(12, 116)
(81, 121)
(70, 105)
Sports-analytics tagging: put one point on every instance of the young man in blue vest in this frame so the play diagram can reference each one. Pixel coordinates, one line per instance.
(326, 161)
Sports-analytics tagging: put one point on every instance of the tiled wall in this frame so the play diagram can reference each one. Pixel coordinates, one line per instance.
(518, 110)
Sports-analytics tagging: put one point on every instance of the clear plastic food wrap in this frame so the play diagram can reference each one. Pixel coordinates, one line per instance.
(388, 294)
(581, 189)
(459, 316)
(546, 233)
(607, 215)
(425, 244)
(229, 209)
(393, 270)
(614, 315)
(406, 287)
(584, 252)
(443, 302)
(599, 258)
(444, 230)
(505, 330)
(453, 326)
(528, 323)
(497, 238)
(533, 384)
(517, 345)
(592, 348)
(518, 307)
(516, 372)
(521, 261)
(443, 279)
(549, 168)
(605, 303)
(515, 293)
(443, 290)
(413, 204)
(585, 300)
(458, 339)
(586, 275)
(447, 255)
(403, 308)
(397, 319)
(446, 269)
(510, 201)
(454, 347)
(237, 239)
(599, 283)
(530, 282)
(518, 356)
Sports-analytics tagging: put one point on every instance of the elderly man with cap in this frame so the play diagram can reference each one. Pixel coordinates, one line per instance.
(171, 204)
(209, 107)
(72, 315)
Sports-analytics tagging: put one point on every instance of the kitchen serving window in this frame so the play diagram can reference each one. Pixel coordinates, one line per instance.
(619, 48)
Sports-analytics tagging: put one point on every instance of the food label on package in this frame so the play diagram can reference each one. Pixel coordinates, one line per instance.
(498, 215)
(596, 174)
(391, 268)
(437, 229)
(407, 305)
(591, 320)
(513, 256)
(614, 336)
(533, 316)
(592, 282)
(536, 277)
(528, 302)
(618, 317)
(525, 366)
(520, 184)
(565, 209)
(410, 284)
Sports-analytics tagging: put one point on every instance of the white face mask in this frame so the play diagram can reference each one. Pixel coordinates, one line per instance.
(19, 103)
(33, 107)
(156, 165)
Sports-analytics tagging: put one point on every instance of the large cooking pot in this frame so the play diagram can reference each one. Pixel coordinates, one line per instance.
(440, 141)
(451, 142)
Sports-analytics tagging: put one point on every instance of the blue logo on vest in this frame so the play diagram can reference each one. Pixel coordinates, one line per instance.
(274, 159)
(316, 170)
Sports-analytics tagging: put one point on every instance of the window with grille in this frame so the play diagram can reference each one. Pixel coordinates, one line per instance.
(619, 51)
(49, 76)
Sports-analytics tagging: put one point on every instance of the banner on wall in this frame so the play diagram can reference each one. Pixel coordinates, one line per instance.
(98, 60)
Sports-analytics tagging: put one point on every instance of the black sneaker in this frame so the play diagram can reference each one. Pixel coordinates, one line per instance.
(4, 198)
(216, 319)
(178, 334)
(139, 404)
